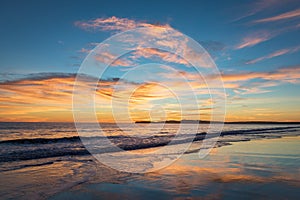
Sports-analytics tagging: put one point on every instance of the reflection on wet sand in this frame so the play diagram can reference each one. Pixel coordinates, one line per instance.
(228, 172)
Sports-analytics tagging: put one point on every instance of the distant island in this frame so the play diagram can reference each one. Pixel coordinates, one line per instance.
(215, 122)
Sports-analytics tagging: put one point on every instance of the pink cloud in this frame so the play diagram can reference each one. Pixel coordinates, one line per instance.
(114, 24)
(164, 55)
(84, 50)
(108, 58)
(287, 74)
(258, 6)
(287, 15)
(254, 39)
(274, 54)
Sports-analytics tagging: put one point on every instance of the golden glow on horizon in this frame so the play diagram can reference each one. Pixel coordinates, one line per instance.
(50, 99)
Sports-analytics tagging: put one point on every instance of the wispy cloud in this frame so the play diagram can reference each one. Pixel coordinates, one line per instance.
(283, 16)
(169, 40)
(84, 50)
(164, 55)
(286, 74)
(114, 24)
(258, 37)
(254, 39)
(275, 54)
(242, 80)
(213, 46)
(256, 7)
(110, 59)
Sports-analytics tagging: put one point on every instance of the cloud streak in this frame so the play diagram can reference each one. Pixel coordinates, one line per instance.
(164, 55)
(114, 24)
(254, 39)
(287, 74)
(275, 54)
(109, 59)
(283, 16)
(244, 80)
(256, 7)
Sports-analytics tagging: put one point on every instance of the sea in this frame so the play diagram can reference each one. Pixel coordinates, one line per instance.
(51, 161)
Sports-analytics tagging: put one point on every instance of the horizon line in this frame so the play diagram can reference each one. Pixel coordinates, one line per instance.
(167, 121)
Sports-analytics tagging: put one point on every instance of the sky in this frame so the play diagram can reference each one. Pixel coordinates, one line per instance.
(254, 44)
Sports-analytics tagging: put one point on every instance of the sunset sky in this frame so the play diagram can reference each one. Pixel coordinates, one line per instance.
(254, 44)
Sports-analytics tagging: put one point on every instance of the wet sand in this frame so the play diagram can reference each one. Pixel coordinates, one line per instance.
(256, 169)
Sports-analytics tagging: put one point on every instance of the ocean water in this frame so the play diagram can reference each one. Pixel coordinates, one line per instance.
(48, 160)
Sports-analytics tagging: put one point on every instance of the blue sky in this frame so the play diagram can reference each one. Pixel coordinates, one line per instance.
(41, 36)
(243, 37)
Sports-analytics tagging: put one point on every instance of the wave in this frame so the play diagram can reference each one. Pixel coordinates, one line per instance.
(41, 140)
(36, 148)
(161, 135)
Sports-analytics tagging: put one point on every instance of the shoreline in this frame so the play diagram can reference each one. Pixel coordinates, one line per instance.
(214, 168)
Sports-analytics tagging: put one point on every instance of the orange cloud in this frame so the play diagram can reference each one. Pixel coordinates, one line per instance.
(48, 97)
(40, 97)
(43, 96)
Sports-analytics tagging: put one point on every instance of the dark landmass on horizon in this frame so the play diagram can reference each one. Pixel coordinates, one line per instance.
(217, 122)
